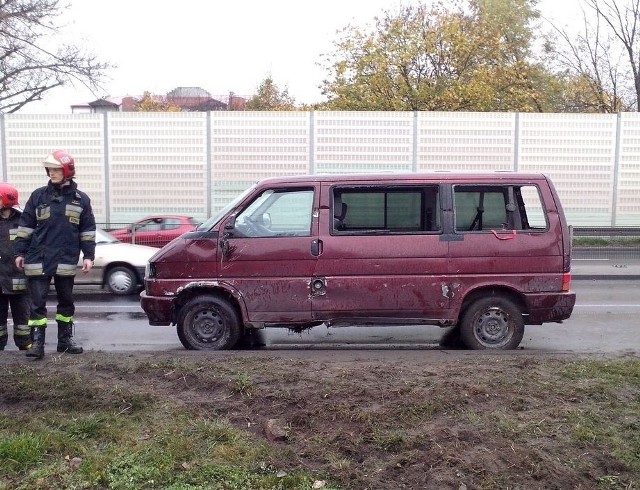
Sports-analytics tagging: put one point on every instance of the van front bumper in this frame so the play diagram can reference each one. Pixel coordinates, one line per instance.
(159, 309)
(549, 307)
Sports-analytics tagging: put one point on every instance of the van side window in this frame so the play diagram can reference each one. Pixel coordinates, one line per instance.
(277, 213)
(486, 208)
(385, 209)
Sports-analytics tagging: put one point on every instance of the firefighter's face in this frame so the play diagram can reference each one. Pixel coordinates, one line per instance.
(56, 175)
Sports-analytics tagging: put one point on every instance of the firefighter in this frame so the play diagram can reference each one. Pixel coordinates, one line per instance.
(13, 283)
(56, 225)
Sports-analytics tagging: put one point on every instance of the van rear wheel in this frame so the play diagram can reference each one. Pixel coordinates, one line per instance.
(208, 323)
(492, 323)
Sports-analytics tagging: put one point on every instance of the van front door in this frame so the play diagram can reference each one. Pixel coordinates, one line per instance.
(269, 252)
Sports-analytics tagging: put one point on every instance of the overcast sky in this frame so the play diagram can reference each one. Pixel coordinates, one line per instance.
(219, 46)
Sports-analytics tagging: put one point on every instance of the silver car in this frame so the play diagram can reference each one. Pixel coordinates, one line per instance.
(118, 266)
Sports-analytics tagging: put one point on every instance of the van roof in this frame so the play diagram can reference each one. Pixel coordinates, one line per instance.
(465, 177)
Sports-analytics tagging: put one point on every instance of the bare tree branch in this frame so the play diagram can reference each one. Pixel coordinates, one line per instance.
(622, 19)
(33, 60)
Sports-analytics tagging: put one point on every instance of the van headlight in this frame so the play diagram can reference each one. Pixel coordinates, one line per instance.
(150, 270)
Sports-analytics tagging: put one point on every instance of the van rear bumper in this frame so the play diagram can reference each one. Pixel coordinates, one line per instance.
(159, 310)
(549, 307)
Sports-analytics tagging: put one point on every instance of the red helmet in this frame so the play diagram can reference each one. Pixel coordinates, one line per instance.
(8, 195)
(61, 159)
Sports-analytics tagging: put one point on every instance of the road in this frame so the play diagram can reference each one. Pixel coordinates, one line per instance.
(605, 320)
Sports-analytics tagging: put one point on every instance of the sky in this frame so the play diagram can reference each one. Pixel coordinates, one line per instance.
(221, 47)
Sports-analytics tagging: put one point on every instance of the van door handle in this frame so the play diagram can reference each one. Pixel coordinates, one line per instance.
(502, 236)
(316, 247)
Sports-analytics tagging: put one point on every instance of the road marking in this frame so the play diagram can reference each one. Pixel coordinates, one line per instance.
(114, 307)
(609, 304)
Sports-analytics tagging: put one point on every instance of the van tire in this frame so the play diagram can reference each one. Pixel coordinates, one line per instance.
(208, 323)
(492, 323)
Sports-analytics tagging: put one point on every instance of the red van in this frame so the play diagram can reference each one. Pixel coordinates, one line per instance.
(485, 253)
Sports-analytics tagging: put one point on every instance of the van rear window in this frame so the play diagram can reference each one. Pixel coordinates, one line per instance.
(508, 207)
(379, 209)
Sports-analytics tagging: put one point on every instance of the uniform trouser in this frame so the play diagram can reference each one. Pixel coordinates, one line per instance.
(38, 287)
(19, 304)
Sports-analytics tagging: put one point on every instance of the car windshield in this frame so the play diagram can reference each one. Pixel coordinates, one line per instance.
(211, 222)
(104, 237)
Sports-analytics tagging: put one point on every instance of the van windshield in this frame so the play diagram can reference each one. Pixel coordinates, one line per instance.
(211, 222)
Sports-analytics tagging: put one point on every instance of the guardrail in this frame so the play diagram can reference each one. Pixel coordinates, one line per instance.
(608, 231)
(606, 243)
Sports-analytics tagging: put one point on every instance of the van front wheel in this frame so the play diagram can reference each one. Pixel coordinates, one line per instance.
(492, 323)
(208, 323)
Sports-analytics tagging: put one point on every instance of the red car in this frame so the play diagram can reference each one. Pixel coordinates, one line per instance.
(155, 231)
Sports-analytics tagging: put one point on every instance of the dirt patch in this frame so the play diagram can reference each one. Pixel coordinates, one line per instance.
(390, 419)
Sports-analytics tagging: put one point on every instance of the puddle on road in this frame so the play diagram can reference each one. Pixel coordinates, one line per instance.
(114, 317)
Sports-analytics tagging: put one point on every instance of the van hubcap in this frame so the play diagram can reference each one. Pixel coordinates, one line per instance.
(208, 326)
(492, 327)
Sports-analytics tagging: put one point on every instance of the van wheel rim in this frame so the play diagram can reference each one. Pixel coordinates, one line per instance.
(207, 326)
(492, 328)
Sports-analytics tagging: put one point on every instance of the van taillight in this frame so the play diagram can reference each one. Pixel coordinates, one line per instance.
(566, 281)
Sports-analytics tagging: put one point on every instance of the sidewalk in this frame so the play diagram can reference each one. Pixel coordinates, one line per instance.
(605, 269)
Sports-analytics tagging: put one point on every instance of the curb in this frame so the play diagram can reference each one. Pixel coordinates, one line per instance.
(605, 277)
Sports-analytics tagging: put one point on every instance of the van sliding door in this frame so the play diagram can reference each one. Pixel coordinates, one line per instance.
(382, 253)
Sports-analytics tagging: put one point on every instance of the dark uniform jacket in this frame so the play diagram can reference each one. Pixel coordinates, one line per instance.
(56, 225)
(12, 280)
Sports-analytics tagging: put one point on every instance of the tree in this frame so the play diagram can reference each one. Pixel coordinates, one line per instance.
(270, 98)
(154, 103)
(590, 65)
(623, 23)
(461, 55)
(30, 64)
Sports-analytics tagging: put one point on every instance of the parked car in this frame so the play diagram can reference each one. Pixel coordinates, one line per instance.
(118, 266)
(155, 231)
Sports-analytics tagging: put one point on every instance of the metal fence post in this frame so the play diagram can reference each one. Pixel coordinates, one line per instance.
(414, 149)
(107, 184)
(616, 170)
(3, 147)
(312, 139)
(209, 165)
(516, 142)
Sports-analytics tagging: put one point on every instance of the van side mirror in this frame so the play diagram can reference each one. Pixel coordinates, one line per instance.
(231, 224)
(266, 220)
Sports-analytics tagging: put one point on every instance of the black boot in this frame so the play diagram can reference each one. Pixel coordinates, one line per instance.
(22, 336)
(4, 335)
(65, 340)
(37, 348)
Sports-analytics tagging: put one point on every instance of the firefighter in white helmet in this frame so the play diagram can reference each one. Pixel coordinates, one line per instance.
(56, 226)
(13, 283)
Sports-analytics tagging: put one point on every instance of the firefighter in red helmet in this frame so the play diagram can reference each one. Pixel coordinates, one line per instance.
(13, 283)
(56, 226)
